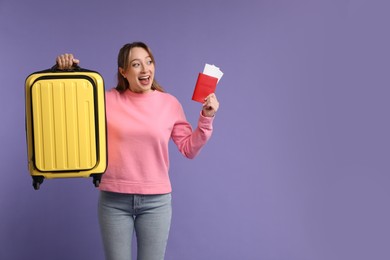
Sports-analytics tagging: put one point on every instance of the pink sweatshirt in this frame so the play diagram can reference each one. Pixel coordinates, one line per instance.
(139, 127)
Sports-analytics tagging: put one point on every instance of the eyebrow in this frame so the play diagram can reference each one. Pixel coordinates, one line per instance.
(140, 59)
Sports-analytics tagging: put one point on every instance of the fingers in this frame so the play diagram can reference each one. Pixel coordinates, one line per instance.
(211, 105)
(211, 101)
(66, 61)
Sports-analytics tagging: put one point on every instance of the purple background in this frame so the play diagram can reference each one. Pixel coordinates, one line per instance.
(298, 166)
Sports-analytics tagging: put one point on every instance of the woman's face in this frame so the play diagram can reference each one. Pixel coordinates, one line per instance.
(140, 71)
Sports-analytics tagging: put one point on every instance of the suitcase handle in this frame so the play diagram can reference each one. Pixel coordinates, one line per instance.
(75, 67)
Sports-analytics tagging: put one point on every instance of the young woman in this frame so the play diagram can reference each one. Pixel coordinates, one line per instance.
(135, 191)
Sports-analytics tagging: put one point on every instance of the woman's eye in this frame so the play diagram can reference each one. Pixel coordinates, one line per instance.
(135, 65)
(149, 62)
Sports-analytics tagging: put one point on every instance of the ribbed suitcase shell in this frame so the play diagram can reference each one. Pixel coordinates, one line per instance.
(65, 124)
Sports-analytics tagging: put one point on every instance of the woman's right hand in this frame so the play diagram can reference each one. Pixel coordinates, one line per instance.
(66, 61)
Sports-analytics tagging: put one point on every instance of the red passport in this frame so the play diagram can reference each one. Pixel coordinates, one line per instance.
(205, 85)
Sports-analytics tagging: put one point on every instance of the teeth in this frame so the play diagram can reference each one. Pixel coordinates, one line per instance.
(146, 77)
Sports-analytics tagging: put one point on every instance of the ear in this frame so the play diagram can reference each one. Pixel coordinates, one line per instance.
(121, 71)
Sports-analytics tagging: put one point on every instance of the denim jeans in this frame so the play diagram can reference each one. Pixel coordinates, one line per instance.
(122, 214)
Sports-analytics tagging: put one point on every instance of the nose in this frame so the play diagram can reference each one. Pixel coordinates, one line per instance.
(144, 67)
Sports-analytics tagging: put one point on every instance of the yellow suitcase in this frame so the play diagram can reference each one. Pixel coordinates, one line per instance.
(65, 125)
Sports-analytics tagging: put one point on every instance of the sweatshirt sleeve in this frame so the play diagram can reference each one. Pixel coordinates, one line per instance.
(190, 142)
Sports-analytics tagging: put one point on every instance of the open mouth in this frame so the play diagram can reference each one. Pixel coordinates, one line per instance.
(144, 80)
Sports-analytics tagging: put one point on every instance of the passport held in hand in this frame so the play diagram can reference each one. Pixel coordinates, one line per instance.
(206, 82)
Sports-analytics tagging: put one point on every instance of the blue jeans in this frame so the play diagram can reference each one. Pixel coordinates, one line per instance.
(121, 214)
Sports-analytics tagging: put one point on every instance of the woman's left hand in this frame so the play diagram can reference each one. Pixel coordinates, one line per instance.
(210, 105)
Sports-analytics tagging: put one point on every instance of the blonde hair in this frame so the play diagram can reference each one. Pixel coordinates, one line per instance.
(123, 57)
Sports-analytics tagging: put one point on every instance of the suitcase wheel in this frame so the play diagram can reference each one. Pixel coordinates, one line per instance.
(37, 181)
(96, 179)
